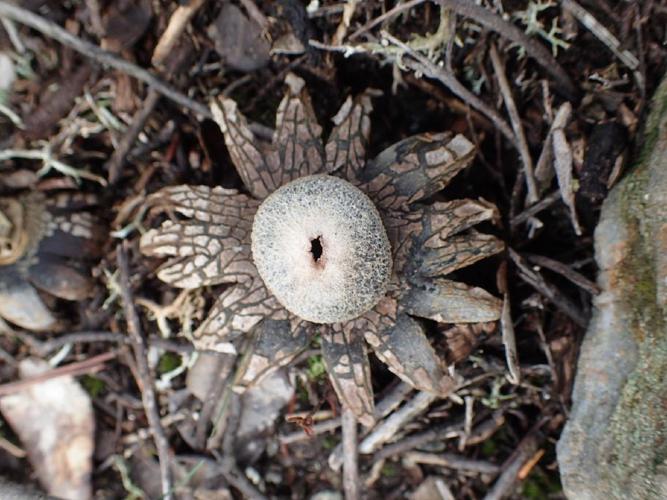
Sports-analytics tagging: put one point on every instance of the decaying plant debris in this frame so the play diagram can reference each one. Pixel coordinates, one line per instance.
(549, 94)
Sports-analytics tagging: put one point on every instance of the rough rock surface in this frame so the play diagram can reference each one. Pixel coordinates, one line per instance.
(615, 443)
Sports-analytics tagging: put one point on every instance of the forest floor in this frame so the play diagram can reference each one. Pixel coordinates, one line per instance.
(552, 94)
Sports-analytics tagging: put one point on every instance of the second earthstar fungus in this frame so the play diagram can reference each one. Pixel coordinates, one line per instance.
(46, 244)
(210, 240)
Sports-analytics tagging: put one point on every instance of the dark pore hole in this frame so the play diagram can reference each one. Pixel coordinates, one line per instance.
(316, 248)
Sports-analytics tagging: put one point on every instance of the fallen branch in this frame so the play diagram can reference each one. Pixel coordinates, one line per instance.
(350, 455)
(144, 380)
(78, 368)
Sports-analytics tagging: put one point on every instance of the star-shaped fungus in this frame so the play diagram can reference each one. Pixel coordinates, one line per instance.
(328, 244)
(44, 244)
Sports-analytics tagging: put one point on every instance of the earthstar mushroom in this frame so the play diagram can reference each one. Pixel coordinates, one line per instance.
(274, 246)
(320, 247)
(44, 244)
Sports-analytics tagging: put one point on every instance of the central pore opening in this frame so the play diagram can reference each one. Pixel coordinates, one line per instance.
(316, 248)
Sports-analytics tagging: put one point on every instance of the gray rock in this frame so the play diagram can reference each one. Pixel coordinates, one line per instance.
(615, 443)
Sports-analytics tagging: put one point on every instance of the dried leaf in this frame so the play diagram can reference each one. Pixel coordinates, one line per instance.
(563, 166)
(21, 305)
(55, 104)
(544, 173)
(54, 420)
(239, 41)
(261, 405)
(124, 23)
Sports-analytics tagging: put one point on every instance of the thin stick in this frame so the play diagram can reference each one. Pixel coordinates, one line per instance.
(144, 380)
(565, 271)
(350, 456)
(436, 434)
(319, 428)
(607, 38)
(427, 67)
(390, 13)
(515, 119)
(386, 430)
(52, 30)
(77, 368)
(533, 48)
(507, 481)
(138, 121)
(507, 328)
(389, 402)
(533, 210)
(535, 279)
(451, 461)
(177, 24)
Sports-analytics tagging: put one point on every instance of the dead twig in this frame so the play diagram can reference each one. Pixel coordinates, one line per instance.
(439, 433)
(387, 429)
(77, 368)
(387, 404)
(177, 23)
(535, 279)
(532, 210)
(397, 9)
(144, 379)
(319, 428)
(116, 161)
(12, 449)
(512, 467)
(350, 455)
(451, 461)
(48, 346)
(44, 348)
(533, 48)
(418, 63)
(515, 119)
(607, 38)
(52, 30)
(507, 328)
(565, 271)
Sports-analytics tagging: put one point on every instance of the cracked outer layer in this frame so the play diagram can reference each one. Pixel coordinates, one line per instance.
(321, 248)
(209, 242)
